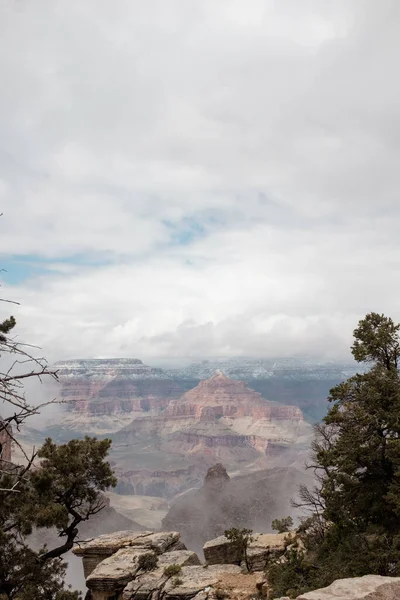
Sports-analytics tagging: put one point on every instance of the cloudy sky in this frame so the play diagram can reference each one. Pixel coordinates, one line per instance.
(199, 177)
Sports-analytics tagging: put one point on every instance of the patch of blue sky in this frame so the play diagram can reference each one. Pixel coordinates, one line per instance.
(17, 269)
(190, 229)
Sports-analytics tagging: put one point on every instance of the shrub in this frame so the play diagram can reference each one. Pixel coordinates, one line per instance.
(241, 538)
(172, 570)
(148, 561)
(282, 525)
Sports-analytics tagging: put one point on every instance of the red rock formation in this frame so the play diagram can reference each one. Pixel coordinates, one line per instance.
(221, 396)
(220, 420)
(97, 390)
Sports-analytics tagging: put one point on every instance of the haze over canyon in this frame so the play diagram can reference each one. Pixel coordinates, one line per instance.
(170, 424)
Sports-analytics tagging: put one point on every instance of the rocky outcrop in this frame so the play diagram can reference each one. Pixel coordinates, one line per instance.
(216, 478)
(154, 566)
(95, 551)
(115, 568)
(123, 568)
(194, 582)
(369, 587)
(222, 551)
(252, 501)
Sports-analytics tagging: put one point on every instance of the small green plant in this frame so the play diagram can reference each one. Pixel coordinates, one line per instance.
(172, 570)
(282, 525)
(148, 561)
(177, 581)
(241, 538)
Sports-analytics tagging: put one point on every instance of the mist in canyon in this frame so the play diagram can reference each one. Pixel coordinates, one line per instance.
(195, 447)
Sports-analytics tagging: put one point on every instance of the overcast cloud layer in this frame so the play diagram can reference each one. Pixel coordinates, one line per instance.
(199, 177)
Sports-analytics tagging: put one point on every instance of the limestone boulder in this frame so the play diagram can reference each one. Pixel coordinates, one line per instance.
(116, 571)
(193, 582)
(95, 551)
(222, 551)
(369, 587)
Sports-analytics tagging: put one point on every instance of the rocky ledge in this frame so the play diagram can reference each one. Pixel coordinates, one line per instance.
(129, 565)
(149, 566)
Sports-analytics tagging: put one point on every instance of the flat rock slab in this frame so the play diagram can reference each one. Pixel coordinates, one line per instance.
(194, 581)
(120, 568)
(369, 587)
(109, 543)
(116, 570)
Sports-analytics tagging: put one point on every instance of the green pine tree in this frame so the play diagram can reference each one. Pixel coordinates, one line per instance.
(354, 528)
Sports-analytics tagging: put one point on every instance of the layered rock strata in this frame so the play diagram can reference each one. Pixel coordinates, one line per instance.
(103, 394)
(220, 420)
(95, 551)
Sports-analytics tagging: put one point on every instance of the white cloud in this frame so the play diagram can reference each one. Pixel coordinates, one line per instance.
(272, 127)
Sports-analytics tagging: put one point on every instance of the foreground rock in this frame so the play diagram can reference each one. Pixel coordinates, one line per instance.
(369, 587)
(114, 568)
(97, 550)
(117, 568)
(192, 582)
(222, 551)
(115, 572)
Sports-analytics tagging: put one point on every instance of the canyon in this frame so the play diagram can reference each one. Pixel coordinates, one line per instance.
(102, 388)
(168, 429)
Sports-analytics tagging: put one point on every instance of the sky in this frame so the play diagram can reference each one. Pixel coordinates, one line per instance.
(198, 177)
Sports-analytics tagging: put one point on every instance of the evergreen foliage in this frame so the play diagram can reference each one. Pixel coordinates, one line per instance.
(5, 328)
(354, 523)
(61, 493)
(58, 487)
(282, 525)
(172, 570)
(241, 538)
(148, 561)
